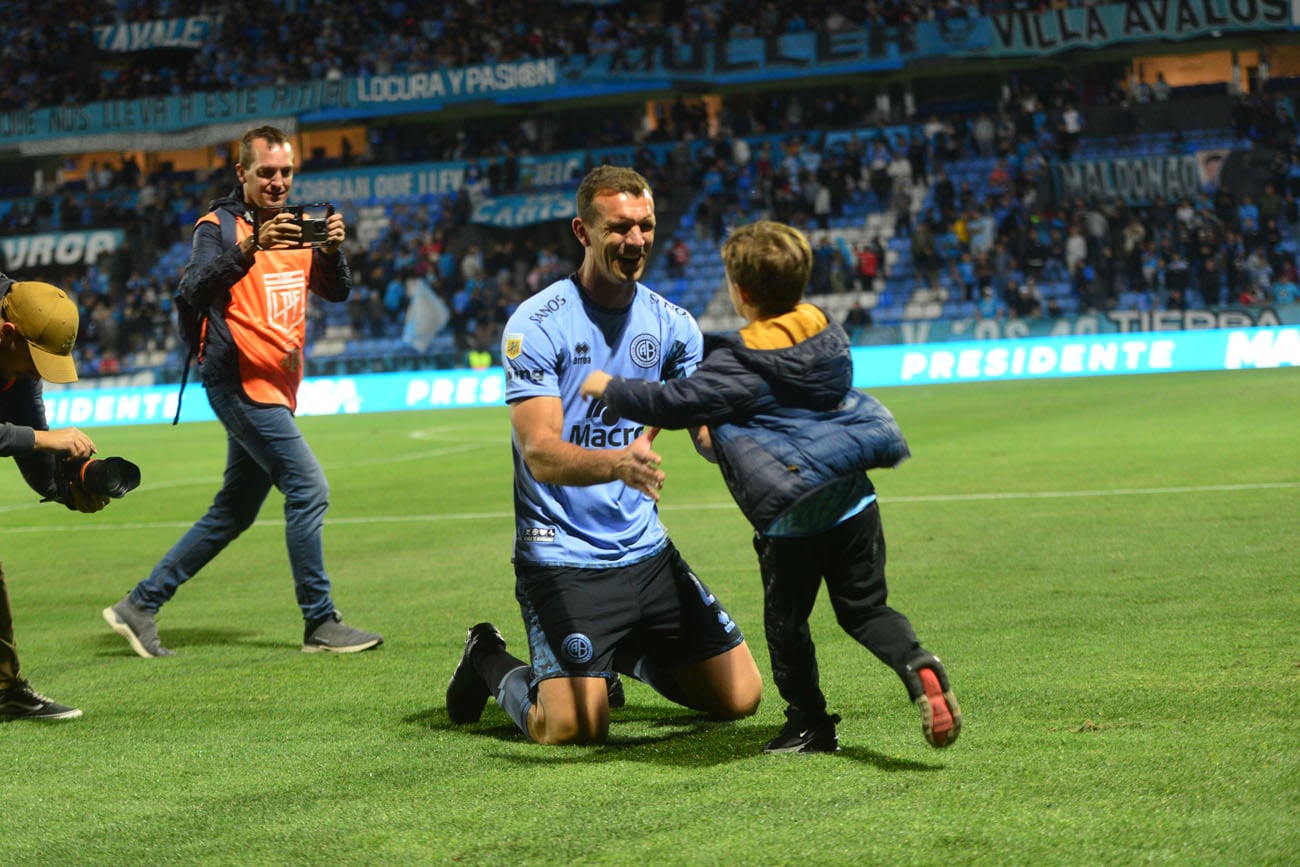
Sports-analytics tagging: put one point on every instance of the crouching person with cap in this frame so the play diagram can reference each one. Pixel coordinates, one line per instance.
(38, 327)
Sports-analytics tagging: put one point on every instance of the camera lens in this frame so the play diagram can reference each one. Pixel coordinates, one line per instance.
(110, 477)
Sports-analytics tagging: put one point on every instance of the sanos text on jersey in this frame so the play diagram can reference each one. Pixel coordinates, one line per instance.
(550, 307)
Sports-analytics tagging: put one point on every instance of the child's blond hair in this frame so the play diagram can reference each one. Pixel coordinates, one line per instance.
(771, 261)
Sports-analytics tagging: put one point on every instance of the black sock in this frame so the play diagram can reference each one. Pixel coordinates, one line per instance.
(493, 665)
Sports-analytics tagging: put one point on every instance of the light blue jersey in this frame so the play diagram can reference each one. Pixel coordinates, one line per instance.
(551, 343)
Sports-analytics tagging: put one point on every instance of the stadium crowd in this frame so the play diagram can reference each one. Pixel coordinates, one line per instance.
(51, 57)
(993, 241)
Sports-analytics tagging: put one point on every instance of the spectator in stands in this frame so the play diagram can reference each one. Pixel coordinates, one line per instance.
(918, 158)
(999, 177)
(925, 252)
(902, 208)
(945, 193)
(984, 134)
(1275, 244)
(1259, 275)
(869, 257)
(250, 359)
(395, 295)
(982, 231)
(1160, 90)
(1133, 240)
(1285, 289)
(821, 202)
(1178, 276)
(900, 172)
(967, 278)
(1150, 267)
(679, 257)
(1110, 278)
(990, 306)
(1270, 204)
(857, 318)
(1160, 216)
(1247, 213)
(1070, 130)
(879, 159)
(1026, 301)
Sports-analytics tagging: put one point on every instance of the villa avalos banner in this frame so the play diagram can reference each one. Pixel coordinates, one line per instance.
(1054, 30)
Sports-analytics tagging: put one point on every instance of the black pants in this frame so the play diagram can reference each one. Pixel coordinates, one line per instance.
(851, 558)
(9, 675)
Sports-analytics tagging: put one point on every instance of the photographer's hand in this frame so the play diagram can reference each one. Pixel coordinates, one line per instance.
(280, 230)
(67, 441)
(337, 232)
(84, 501)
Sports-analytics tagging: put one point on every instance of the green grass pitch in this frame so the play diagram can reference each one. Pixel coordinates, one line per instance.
(1107, 566)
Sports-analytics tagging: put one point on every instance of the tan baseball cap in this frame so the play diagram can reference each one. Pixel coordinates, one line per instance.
(47, 318)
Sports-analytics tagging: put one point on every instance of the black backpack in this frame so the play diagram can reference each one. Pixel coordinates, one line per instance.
(190, 319)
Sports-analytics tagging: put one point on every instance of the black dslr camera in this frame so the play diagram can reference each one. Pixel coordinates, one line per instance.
(312, 217)
(107, 477)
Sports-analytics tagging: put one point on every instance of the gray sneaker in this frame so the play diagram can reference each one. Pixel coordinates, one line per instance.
(335, 636)
(136, 625)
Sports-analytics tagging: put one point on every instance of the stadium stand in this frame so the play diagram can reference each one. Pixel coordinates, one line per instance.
(943, 212)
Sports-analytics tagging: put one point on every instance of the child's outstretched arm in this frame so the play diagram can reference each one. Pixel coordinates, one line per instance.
(594, 384)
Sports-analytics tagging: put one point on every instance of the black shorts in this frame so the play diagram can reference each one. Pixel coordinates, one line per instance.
(578, 618)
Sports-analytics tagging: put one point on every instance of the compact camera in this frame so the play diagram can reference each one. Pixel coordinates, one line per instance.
(314, 220)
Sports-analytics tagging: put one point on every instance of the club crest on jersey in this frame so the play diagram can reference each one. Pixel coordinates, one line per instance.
(645, 350)
(514, 345)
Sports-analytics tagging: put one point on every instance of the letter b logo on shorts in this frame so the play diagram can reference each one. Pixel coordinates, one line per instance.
(576, 648)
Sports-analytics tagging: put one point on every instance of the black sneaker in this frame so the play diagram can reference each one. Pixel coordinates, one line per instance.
(20, 701)
(800, 736)
(616, 696)
(467, 693)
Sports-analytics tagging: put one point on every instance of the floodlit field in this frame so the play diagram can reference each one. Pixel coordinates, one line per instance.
(1107, 566)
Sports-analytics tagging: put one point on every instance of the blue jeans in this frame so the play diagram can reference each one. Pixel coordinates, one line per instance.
(263, 447)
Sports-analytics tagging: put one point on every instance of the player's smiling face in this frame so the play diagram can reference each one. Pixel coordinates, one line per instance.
(619, 241)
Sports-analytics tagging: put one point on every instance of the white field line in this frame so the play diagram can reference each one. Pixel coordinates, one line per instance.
(691, 507)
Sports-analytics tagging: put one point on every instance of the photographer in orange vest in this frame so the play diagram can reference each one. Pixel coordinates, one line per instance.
(248, 277)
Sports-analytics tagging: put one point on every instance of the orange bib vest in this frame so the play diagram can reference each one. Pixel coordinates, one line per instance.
(267, 317)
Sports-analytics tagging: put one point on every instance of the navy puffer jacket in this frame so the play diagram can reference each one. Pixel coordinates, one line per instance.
(784, 422)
